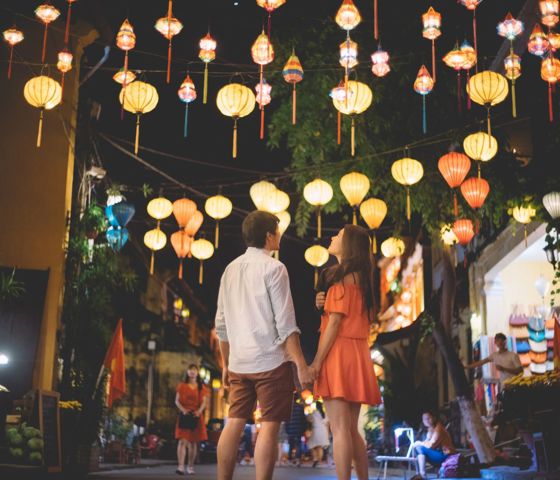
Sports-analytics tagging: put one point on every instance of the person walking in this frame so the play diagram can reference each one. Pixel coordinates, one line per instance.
(346, 378)
(191, 399)
(258, 334)
(319, 439)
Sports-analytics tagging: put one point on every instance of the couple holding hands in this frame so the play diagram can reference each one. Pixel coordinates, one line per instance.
(259, 337)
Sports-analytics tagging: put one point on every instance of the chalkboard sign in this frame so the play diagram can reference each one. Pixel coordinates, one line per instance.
(49, 424)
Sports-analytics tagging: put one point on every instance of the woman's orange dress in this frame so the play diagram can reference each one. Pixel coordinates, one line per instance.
(191, 398)
(347, 371)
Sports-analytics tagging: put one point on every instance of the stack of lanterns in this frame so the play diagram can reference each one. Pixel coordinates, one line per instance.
(183, 211)
(118, 216)
(262, 52)
(126, 41)
(510, 29)
(159, 208)
(348, 17)
(431, 22)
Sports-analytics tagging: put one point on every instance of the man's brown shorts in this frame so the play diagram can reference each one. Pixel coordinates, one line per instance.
(274, 390)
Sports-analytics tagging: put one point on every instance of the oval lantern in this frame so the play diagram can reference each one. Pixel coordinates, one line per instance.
(488, 89)
(348, 16)
(155, 240)
(463, 230)
(475, 190)
(392, 247)
(523, 215)
(122, 213)
(235, 101)
(259, 192)
(117, 238)
(318, 193)
(276, 201)
(194, 224)
(551, 202)
(285, 219)
(202, 249)
(181, 243)
(218, 207)
(481, 147)
(407, 172)
(354, 186)
(183, 210)
(43, 93)
(138, 98)
(293, 73)
(357, 100)
(159, 208)
(373, 211)
(316, 256)
(454, 167)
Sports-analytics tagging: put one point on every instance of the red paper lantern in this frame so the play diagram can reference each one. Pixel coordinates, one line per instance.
(380, 63)
(13, 36)
(475, 190)
(47, 14)
(454, 167)
(181, 243)
(463, 230)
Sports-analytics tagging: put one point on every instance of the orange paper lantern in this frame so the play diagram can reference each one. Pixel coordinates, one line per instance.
(183, 211)
(464, 231)
(181, 243)
(454, 167)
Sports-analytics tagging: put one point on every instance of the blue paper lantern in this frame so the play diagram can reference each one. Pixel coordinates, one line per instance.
(110, 217)
(117, 238)
(123, 213)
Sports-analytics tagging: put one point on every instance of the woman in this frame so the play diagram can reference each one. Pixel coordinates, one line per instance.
(319, 439)
(192, 397)
(345, 372)
(437, 446)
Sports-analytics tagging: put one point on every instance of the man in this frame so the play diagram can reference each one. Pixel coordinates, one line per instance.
(256, 326)
(507, 363)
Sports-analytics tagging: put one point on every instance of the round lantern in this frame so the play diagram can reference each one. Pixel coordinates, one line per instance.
(454, 167)
(448, 236)
(43, 93)
(373, 211)
(207, 54)
(475, 190)
(183, 210)
(551, 202)
(123, 77)
(159, 208)
(488, 89)
(155, 240)
(12, 36)
(316, 256)
(357, 100)
(181, 243)
(481, 147)
(549, 10)
(117, 238)
(407, 172)
(138, 98)
(380, 63)
(218, 207)
(392, 247)
(348, 16)
(259, 193)
(194, 224)
(463, 230)
(202, 249)
(169, 26)
(187, 94)
(235, 101)
(523, 215)
(276, 201)
(431, 23)
(550, 72)
(423, 85)
(293, 73)
(538, 44)
(47, 14)
(318, 193)
(354, 186)
(284, 221)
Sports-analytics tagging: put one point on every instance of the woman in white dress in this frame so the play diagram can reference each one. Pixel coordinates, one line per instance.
(319, 439)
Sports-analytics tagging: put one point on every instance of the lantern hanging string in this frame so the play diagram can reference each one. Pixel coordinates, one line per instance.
(375, 20)
(67, 30)
(475, 40)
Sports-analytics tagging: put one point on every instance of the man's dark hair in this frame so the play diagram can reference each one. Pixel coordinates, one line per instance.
(500, 336)
(255, 227)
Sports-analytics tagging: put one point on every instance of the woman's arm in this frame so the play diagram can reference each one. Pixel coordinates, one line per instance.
(327, 340)
(433, 440)
(178, 404)
(202, 407)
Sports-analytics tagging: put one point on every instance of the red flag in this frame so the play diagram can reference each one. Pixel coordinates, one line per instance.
(114, 361)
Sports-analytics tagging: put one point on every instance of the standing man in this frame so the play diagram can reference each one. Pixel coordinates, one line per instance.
(256, 326)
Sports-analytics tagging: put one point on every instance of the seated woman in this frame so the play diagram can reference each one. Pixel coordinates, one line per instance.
(437, 446)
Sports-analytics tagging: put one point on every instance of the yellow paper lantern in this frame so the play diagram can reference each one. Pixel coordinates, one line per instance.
(392, 247)
(407, 172)
(316, 256)
(355, 186)
(348, 16)
(159, 208)
(481, 147)
(259, 191)
(318, 193)
(448, 236)
(138, 98)
(202, 249)
(276, 201)
(524, 215)
(235, 101)
(285, 220)
(488, 89)
(218, 207)
(43, 93)
(155, 240)
(373, 211)
(357, 100)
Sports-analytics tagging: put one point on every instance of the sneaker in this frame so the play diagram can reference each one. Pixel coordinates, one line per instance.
(190, 471)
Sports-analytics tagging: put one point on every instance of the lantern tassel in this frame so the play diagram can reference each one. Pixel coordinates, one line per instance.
(408, 206)
(469, 103)
(201, 273)
(169, 15)
(40, 131)
(316, 278)
(375, 20)
(217, 235)
(434, 60)
(124, 82)
(478, 168)
(459, 108)
(180, 275)
(169, 48)
(338, 128)
(475, 38)
(550, 111)
(62, 84)
(455, 204)
(137, 140)
(205, 93)
(424, 118)
(488, 120)
(319, 223)
(353, 138)
(294, 96)
(152, 261)
(67, 31)
(513, 100)
(354, 217)
(477, 225)
(261, 136)
(235, 138)
(10, 62)
(44, 54)
(374, 242)
(185, 126)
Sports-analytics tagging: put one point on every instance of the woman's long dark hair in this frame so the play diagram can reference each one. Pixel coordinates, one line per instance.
(198, 377)
(357, 258)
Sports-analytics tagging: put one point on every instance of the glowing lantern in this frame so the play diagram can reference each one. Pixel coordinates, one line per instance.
(126, 40)
(276, 201)
(155, 240)
(481, 147)
(475, 190)
(293, 73)
(124, 77)
(550, 72)
(355, 187)
(407, 172)
(270, 6)
(348, 54)
(463, 230)
(116, 238)
(218, 207)
(431, 22)
(348, 16)
(181, 243)
(454, 167)
(138, 98)
(393, 247)
(488, 89)
(549, 12)
(455, 59)
(263, 98)
(169, 26)
(43, 93)
(538, 42)
(551, 202)
(236, 101)
(471, 5)
(373, 211)
(13, 36)
(523, 215)
(64, 65)
(187, 94)
(448, 236)
(469, 55)
(207, 54)
(202, 249)
(194, 224)
(284, 221)
(262, 52)
(183, 210)
(512, 68)
(318, 193)
(357, 101)
(380, 63)
(511, 28)
(159, 208)
(554, 39)
(259, 193)
(316, 256)
(423, 85)
(47, 14)
(119, 214)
